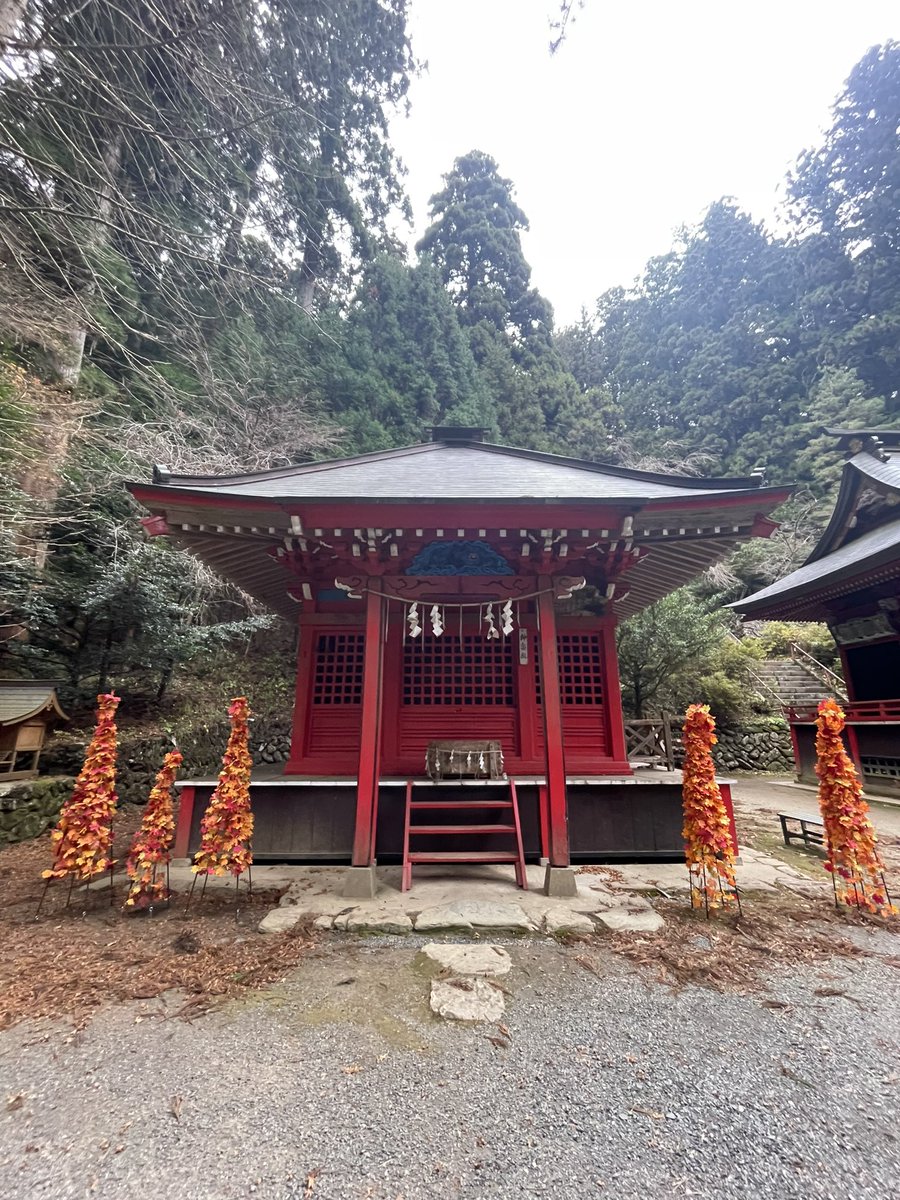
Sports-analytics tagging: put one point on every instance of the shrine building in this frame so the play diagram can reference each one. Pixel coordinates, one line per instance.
(851, 581)
(457, 604)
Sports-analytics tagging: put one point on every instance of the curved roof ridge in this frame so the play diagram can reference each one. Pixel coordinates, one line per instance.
(687, 482)
(859, 469)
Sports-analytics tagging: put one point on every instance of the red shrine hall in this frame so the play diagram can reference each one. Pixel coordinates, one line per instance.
(851, 581)
(457, 605)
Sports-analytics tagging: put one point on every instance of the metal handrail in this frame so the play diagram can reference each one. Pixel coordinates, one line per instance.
(831, 679)
(758, 679)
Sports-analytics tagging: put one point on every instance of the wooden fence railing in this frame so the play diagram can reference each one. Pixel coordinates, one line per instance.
(650, 743)
(885, 712)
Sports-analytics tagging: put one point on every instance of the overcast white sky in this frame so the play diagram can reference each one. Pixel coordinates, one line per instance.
(648, 112)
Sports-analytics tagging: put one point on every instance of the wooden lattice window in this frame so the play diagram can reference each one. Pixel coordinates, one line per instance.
(445, 670)
(338, 675)
(884, 768)
(580, 669)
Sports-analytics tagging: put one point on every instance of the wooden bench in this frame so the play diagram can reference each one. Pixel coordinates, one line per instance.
(809, 827)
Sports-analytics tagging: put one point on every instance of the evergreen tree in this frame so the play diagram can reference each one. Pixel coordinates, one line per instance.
(704, 355)
(474, 240)
(399, 362)
(846, 207)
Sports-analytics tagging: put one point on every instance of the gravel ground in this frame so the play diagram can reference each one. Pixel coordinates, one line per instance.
(339, 1084)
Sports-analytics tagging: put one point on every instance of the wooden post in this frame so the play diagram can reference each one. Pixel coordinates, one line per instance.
(370, 734)
(612, 697)
(728, 801)
(848, 674)
(185, 819)
(853, 747)
(553, 734)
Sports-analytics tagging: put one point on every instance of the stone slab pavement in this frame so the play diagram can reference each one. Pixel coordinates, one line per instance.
(485, 897)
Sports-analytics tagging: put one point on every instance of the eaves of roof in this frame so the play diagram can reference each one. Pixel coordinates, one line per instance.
(860, 471)
(873, 551)
(20, 700)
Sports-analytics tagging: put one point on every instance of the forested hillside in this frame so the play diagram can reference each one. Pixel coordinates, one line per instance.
(199, 205)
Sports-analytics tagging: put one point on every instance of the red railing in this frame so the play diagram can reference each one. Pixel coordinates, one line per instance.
(860, 711)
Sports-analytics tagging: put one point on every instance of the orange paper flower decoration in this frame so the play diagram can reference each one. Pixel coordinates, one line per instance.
(850, 838)
(82, 839)
(707, 830)
(152, 845)
(226, 830)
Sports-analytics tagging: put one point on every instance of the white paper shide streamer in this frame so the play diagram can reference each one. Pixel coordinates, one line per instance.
(412, 620)
(492, 630)
(437, 616)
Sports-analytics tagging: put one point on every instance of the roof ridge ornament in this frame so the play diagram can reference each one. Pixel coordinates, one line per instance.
(759, 474)
(876, 442)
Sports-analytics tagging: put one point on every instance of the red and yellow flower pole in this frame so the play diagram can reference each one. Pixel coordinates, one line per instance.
(151, 849)
(853, 861)
(82, 839)
(226, 831)
(708, 845)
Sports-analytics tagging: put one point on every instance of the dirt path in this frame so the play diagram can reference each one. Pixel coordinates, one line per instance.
(759, 798)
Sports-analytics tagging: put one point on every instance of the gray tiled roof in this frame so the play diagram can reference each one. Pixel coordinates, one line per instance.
(887, 472)
(870, 550)
(439, 471)
(20, 699)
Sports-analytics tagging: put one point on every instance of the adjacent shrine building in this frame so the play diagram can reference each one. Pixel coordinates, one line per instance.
(460, 592)
(851, 581)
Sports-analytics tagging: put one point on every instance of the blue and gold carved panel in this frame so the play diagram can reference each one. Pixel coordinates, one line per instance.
(459, 558)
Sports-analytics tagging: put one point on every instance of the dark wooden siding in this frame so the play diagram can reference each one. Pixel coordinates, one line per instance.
(314, 823)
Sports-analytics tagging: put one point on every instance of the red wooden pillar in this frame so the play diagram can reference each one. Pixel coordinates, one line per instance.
(558, 850)
(370, 734)
(728, 801)
(848, 673)
(853, 747)
(612, 695)
(185, 820)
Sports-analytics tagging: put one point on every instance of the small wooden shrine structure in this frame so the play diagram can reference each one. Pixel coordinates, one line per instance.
(456, 591)
(28, 707)
(851, 581)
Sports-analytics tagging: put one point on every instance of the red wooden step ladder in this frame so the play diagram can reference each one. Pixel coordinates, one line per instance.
(508, 827)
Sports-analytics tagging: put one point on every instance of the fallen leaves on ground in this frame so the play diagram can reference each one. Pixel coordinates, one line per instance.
(738, 951)
(608, 873)
(66, 964)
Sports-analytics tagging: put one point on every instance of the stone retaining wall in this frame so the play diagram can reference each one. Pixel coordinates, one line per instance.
(755, 746)
(29, 807)
(139, 758)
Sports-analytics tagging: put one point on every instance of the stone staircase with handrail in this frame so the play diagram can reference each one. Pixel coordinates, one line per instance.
(796, 684)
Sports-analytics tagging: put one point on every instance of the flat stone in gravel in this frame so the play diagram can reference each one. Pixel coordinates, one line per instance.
(385, 922)
(620, 920)
(466, 998)
(474, 914)
(561, 921)
(441, 916)
(279, 920)
(467, 960)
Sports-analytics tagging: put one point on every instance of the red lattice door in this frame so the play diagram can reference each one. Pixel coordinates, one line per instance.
(335, 710)
(458, 685)
(582, 690)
